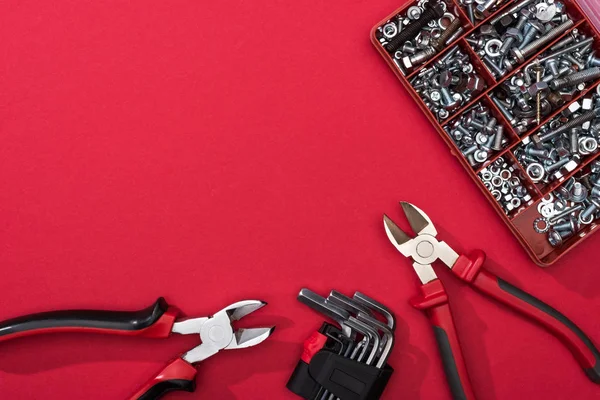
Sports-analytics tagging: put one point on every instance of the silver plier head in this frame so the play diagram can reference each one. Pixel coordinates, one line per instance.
(217, 332)
(423, 248)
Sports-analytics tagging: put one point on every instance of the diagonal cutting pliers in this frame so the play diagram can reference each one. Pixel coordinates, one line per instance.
(157, 321)
(424, 249)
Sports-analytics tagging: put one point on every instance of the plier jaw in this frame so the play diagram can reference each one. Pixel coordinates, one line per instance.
(217, 332)
(423, 248)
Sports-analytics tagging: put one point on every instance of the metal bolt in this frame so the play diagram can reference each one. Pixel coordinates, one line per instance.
(495, 67)
(552, 64)
(588, 213)
(578, 121)
(593, 61)
(534, 28)
(448, 99)
(557, 165)
(512, 35)
(491, 124)
(574, 138)
(474, 123)
(441, 41)
(533, 152)
(419, 58)
(570, 225)
(579, 192)
(576, 78)
(507, 114)
(522, 54)
(498, 138)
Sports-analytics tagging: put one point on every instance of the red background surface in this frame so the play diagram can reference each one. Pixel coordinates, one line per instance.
(215, 151)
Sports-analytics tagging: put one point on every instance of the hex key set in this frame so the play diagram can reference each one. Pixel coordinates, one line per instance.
(513, 88)
(347, 360)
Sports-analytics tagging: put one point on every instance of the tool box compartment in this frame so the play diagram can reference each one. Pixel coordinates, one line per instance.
(494, 113)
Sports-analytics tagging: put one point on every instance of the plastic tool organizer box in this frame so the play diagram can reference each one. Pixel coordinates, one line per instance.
(521, 219)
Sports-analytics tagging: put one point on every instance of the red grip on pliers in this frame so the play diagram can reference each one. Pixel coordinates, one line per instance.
(469, 269)
(434, 301)
(312, 345)
(178, 375)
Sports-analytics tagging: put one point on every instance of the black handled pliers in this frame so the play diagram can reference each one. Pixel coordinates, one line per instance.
(157, 321)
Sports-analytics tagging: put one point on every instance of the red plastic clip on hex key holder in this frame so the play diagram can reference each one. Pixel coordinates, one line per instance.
(520, 222)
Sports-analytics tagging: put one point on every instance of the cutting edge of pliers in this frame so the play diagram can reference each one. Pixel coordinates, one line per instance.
(424, 248)
(217, 332)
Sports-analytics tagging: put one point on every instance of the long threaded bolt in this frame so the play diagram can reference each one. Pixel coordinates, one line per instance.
(565, 213)
(440, 42)
(531, 48)
(586, 75)
(437, 11)
(575, 122)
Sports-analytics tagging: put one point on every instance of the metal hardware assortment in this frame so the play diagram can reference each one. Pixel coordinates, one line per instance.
(449, 83)
(521, 84)
(519, 33)
(423, 248)
(561, 145)
(571, 208)
(478, 10)
(356, 348)
(478, 134)
(549, 82)
(422, 32)
(506, 185)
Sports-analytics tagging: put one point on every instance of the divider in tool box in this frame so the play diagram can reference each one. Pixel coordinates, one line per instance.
(490, 98)
(538, 242)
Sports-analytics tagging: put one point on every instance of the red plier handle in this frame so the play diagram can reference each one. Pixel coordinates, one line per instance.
(434, 302)
(178, 375)
(469, 269)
